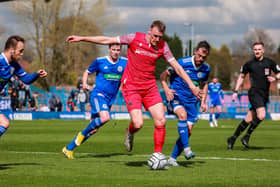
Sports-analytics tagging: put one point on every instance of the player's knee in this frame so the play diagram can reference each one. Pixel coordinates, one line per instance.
(105, 119)
(160, 121)
(182, 116)
(5, 123)
(138, 124)
(261, 116)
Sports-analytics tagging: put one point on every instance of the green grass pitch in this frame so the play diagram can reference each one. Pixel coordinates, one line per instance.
(30, 155)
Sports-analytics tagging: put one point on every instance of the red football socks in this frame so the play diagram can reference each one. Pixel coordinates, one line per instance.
(159, 136)
(131, 128)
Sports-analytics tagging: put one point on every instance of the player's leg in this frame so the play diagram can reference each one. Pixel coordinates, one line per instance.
(217, 114)
(260, 115)
(192, 114)
(153, 103)
(158, 115)
(211, 116)
(133, 101)
(4, 124)
(183, 139)
(100, 115)
(134, 126)
(240, 128)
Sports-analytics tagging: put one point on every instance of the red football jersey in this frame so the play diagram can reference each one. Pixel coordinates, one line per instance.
(142, 57)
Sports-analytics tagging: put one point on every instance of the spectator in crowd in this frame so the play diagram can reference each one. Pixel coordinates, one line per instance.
(70, 105)
(59, 105)
(21, 95)
(52, 103)
(44, 108)
(14, 100)
(33, 102)
(82, 99)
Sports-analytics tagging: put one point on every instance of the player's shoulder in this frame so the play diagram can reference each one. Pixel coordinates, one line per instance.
(123, 58)
(186, 59)
(206, 66)
(101, 58)
(2, 59)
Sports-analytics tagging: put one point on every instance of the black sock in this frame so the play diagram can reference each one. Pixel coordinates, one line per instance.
(241, 127)
(254, 124)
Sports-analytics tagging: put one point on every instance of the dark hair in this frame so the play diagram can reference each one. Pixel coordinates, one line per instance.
(12, 41)
(159, 24)
(110, 45)
(203, 44)
(258, 43)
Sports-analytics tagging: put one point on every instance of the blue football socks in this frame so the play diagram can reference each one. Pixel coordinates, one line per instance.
(2, 130)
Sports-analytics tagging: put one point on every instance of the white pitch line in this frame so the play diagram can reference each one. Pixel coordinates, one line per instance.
(199, 158)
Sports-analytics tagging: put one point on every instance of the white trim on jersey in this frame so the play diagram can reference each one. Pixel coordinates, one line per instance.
(5, 58)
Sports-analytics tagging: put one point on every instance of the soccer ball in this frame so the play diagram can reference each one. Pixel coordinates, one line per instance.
(157, 161)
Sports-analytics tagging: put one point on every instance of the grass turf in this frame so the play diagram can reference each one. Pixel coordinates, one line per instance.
(30, 155)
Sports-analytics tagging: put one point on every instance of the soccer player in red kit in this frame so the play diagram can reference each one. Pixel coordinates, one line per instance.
(139, 83)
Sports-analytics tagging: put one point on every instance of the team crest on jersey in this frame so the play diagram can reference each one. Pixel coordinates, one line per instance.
(104, 106)
(120, 69)
(199, 74)
(266, 71)
(140, 44)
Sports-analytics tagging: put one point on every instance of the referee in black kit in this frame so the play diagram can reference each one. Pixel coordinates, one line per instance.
(260, 69)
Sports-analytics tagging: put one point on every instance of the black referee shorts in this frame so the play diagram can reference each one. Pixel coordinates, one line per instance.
(258, 98)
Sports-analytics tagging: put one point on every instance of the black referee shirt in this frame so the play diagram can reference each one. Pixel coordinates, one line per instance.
(259, 70)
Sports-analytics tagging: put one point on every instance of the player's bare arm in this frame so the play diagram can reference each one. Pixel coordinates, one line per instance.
(203, 104)
(84, 80)
(239, 82)
(104, 40)
(168, 92)
(180, 71)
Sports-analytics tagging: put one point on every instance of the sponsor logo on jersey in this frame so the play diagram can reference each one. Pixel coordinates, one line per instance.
(112, 76)
(145, 53)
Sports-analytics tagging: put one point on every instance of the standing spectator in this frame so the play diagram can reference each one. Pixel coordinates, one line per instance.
(33, 102)
(21, 95)
(59, 105)
(52, 103)
(82, 99)
(14, 100)
(70, 105)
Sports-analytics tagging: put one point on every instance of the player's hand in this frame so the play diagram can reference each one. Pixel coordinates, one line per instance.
(271, 78)
(234, 96)
(197, 92)
(170, 94)
(73, 38)
(204, 107)
(86, 87)
(42, 73)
